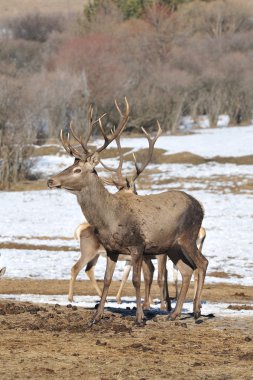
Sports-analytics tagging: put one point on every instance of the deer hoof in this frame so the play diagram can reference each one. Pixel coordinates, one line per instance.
(197, 314)
(140, 324)
(146, 306)
(172, 317)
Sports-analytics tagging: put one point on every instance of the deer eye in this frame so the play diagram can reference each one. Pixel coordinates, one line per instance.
(77, 171)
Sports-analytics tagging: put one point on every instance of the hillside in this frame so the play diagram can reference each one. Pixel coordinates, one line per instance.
(16, 8)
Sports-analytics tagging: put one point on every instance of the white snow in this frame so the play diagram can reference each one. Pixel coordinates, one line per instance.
(89, 302)
(209, 142)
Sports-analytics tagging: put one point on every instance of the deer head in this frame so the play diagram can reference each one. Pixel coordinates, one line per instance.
(74, 177)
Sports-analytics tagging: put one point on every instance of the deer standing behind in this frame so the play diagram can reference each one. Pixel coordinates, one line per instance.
(139, 226)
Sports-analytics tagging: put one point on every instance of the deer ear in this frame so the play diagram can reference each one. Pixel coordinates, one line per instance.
(93, 160)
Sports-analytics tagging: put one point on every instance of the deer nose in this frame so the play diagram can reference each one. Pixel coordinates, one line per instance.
(50, 182)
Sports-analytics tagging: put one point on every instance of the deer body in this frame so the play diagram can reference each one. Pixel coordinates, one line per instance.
(154, 222)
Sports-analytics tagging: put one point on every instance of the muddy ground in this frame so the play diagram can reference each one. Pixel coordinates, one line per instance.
(54, 342)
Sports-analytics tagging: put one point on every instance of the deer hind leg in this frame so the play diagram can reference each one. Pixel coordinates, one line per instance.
(137, 255)
(200, 242)
(148, 272)
(163, 283)
(127, 269)
(110, 266)
(202, 264)
(192, 253)
(186, 273)
(89, 246)
(175, 280)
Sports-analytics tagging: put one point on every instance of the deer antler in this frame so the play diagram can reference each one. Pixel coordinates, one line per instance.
(70, 149)
(120, 182)
(151, 143)
(118, 130)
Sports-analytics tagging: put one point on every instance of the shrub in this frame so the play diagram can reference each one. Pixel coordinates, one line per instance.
(35, 27)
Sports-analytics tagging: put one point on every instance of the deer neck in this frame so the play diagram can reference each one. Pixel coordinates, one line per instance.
(96, 202)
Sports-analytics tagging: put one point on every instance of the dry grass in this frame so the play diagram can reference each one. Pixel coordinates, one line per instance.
(16, 8)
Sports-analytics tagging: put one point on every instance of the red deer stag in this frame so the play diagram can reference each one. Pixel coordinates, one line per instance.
(91, 249)
(165, 223)
(89, 244)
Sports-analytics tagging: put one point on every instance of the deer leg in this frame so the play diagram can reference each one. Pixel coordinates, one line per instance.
(191, 252)
(136, 255)
(89, 270)
(195, 274)
(110, 266)
(163, 282)
(89, 246)
(77, 267)
(148, 271)
(175, 280)
(186, 273)
(127, 269)
(202, 264)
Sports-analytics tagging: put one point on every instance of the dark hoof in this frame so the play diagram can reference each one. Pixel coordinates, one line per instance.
(140, 324)
(171, 318)
(197, 314)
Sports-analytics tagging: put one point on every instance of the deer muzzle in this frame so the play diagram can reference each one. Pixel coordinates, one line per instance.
(52, 183)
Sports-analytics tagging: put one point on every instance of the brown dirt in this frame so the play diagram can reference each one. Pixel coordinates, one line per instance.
(53, 342)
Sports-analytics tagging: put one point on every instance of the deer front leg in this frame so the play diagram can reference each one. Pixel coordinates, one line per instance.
(163, 283)
(148, 272)
(127, 268)
(110, 266)
(136, 255)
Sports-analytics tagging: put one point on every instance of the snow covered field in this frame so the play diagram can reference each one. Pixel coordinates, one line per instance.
(49, 217)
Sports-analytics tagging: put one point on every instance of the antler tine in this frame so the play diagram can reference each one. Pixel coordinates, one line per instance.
(63, 142)
(151, 143)
(67, 146)
(119, 182)
(117, 132)
(78, 139)
(91, 123)
(72, 151)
